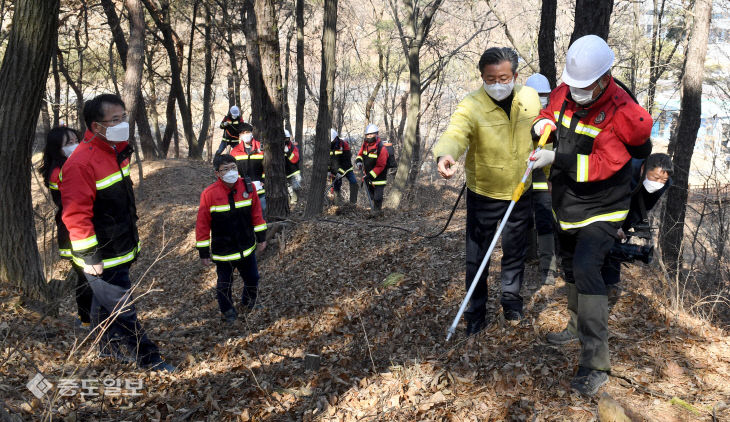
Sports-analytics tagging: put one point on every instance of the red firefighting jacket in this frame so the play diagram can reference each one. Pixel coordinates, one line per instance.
(99, 209)
(374, 156)
(250, 161)
(230, 222)
(591, 174)
(291, 165)
(64, 243)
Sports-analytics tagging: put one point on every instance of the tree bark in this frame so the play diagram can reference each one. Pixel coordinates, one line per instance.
(133, 74)
(208, 84)
(285, 82)
(268, 77)
(592, 17)
(412, 43)
(170, 41)
(324, 116)
(249, 19)
(301, 79)
(546, 40)
(22, 81)
(150, 148)
(672, 228)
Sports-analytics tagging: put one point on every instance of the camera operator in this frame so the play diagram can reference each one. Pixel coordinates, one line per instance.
(649, 180)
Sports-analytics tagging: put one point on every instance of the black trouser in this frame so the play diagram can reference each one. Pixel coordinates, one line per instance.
(111, 294)
(483, 215)
(583, 252)
(376, 195)
(84, 294)
(611, 271)
(248, 270)
(543, 211)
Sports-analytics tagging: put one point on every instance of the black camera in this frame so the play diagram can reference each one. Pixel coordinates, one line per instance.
(627, 252)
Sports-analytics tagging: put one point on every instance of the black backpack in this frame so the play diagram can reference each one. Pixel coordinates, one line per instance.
(392, 162)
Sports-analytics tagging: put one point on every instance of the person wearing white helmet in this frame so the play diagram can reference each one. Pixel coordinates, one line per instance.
(541, 203)
(341, 166)
(372, 161)
(232, 126)
(597, 128)
(492, 126)
(249, 156)
(539, 83)
(291, 167)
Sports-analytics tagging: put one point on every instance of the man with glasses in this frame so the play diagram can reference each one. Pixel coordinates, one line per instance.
(100, 214)
(492, 124)
(229, 230)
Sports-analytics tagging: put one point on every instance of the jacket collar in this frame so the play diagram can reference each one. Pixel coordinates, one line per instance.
(95, 140)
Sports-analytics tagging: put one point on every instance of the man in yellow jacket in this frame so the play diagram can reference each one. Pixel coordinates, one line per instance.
(493, 125)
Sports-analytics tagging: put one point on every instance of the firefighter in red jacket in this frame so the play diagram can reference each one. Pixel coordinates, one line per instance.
(291, 167)
(597, 128)
(249, 155)
(232, 126)
(371, 161)
(341, 166)
(229, 230)
(100, 213)
(60, 143)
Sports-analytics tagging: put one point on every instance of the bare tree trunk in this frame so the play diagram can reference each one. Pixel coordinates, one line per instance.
(56, 89)
(234, 86)
(150, 148)
(189, 72)
(153, 106)
(23, 79)
(208, 84)
(170, 41)
(546, 40)
(285, 82)
(133, 74)
(324, 117)
(592, 17)
(170, 125)
(250, 18)
(672, 228)
(301, 78)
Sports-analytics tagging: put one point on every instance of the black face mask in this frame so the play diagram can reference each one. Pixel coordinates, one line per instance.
(370, 140)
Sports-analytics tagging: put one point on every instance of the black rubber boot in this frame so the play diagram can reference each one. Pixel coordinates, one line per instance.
(570, 332)
(593, 331)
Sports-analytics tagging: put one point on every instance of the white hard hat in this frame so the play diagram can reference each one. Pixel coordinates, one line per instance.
(587, 60)
(333, 134)
(235, 111)
(371, 128)
(539, 83)
(287, 134)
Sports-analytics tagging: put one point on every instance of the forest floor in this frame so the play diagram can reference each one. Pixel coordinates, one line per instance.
(374, 303)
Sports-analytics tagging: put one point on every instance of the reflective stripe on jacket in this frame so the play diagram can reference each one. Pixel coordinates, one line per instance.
(250, 162)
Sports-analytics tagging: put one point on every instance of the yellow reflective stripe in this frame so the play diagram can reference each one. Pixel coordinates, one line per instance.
(79, 245)
(241, 157)
(294, 174)
(372, 155)
(259, 228)
(112, 178)
(540, 185)
(60, 176)
(66, 253)
(53, 186)
(582, 168)
(231, 257)
(256, 157)
(338, 152)
(379, 182)
(372, 173)
(202, 243)
(344, 171)
(291, 155)
(113, 262)
(261, 191)
(220, 208)
(246, 203)
(248, 251)
(581, 128)
(616, 216)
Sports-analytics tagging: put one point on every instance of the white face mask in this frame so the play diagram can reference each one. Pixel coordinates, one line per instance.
(247, 137)
(68, 149)
(231, 176)
(544, 101)
(652, 186)
(581, 96)
(118, 133)
(499, 91)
